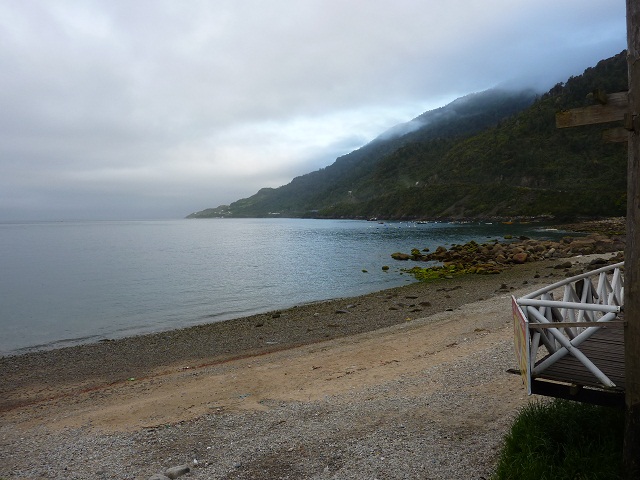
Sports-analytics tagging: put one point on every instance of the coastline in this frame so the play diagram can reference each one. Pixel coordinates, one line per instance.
(114, 361)
(295, 393)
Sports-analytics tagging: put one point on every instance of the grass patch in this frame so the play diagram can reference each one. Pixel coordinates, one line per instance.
(563, 440)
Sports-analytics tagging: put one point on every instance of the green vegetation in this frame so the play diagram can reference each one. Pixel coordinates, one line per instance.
(563, 440)
(495, 153)
(448, 271)
(435, 273)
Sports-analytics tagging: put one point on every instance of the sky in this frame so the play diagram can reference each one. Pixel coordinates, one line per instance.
(154, 109)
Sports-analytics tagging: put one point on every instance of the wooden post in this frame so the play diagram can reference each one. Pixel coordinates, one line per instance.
(632, 252)
(614, 108)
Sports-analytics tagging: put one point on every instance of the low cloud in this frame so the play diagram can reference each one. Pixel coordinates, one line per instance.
(152, 109)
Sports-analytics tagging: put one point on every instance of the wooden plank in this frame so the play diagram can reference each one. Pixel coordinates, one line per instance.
(605, 349)
(612, 323)
(572, 371)
(631, 453)
(616, 135)
(568, 392)
(614, 110)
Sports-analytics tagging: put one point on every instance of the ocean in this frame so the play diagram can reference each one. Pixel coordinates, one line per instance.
(66, 283)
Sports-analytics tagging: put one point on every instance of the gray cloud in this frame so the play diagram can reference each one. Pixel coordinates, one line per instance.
(154, 109)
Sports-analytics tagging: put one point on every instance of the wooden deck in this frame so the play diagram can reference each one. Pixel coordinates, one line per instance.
(569, 378)
(605, 348)
(577, 324)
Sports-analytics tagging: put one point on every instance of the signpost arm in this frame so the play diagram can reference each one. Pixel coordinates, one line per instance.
(632, 252)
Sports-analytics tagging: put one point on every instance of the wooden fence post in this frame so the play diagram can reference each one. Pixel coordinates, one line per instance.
(632, 252)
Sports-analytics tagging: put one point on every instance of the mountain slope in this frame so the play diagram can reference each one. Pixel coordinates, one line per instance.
(495, 153)
(323, 187)
(524, 166)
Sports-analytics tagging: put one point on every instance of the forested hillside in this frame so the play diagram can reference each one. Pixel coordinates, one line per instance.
(493, 154)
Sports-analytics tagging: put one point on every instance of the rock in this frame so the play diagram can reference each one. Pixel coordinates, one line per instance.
(597, 261)
(520, 257)
(563, 265)
(175, 472)
(583, 246)
(159, 476)
(492, 258)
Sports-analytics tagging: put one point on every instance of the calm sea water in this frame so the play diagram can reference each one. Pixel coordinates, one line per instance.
(68, 283)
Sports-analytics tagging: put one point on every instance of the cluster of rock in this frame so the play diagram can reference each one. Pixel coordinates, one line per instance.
(495, 256)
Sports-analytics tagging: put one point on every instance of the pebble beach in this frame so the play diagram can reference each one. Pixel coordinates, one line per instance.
(409, 382)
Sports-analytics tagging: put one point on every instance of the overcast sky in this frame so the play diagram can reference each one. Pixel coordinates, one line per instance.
(150, 109)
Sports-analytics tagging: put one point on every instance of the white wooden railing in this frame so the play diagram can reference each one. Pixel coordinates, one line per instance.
(560, 326)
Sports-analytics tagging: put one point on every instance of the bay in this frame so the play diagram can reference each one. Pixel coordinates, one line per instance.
(65, 283)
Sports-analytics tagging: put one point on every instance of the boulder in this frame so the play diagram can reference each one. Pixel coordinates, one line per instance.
(520, 257)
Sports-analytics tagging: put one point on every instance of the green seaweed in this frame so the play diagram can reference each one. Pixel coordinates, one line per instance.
(429, 274)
